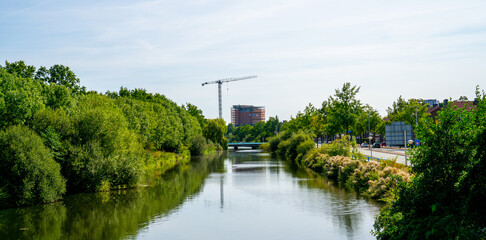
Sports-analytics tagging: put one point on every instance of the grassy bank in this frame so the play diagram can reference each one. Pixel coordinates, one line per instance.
(341, 161)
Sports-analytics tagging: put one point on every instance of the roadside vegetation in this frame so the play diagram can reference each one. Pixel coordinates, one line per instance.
(440, 196)
(58, 138)
(342, 162)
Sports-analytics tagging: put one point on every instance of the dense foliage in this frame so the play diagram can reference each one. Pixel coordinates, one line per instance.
(259, 132)
(342, 113)
(57, 137)
(29, 173)
(342, 161)
(445, 199)
(407, 111)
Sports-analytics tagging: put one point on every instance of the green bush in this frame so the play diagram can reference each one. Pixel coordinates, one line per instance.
(100, 151)
(29, 173)
(215, 131)
(198, 145)
(445, 200)
(275, 141)
(339, 147)
(303, 148)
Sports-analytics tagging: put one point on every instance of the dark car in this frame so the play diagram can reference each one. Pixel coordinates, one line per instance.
(376, 145)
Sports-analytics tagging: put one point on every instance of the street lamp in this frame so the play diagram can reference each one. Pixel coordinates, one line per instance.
(371, 147)
(410, 141)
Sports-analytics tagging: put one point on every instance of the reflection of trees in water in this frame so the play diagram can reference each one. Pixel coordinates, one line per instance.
(248, 156)
(345, 205)
(112, 215)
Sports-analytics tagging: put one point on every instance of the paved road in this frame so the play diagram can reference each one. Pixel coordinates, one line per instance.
(383, 153)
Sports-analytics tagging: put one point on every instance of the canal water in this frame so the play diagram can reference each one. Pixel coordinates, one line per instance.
(245, 194)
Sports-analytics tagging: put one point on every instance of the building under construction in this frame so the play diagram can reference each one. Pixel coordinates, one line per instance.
(247, 114)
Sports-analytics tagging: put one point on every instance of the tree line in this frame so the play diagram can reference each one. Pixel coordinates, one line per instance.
(57, 138)
(440, 196)
(341, 113)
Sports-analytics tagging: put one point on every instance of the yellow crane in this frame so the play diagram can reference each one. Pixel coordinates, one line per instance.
(220, 82)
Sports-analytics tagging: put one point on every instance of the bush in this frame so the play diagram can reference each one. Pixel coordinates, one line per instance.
(29, 173)
(289, 148)
(303, 148)
(445, 200)
(339, 147)
(102, 148)
(197, 145)
(275, 141)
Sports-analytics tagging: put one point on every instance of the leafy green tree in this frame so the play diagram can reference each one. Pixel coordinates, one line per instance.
(20, 98)
(302, 120)
(19, 69)
(215, 131)
(405, 111)
(29, 173)
(195, 112)
(343, 109)
(63, 75)
(368, 119)
(103, 152)
(446, 197)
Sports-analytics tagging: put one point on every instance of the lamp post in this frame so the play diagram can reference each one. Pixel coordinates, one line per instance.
(371, 147)
(369, 135)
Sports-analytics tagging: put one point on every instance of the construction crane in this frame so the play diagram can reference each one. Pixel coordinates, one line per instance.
(220, 82)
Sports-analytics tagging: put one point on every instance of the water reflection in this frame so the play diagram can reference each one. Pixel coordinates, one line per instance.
(113, 215)
(242, 195)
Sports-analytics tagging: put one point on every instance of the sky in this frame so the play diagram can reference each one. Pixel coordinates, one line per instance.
(301, 50)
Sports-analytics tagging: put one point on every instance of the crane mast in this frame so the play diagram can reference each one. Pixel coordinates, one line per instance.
(220, 82)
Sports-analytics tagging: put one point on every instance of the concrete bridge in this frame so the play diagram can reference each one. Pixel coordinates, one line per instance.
(253, 145)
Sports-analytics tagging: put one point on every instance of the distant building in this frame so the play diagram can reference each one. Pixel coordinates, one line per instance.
(247, 114)
(432, 102)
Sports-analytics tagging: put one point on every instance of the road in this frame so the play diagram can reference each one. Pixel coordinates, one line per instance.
(385, 153)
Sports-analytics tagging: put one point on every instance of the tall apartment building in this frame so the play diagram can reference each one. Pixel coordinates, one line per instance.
(247, 114)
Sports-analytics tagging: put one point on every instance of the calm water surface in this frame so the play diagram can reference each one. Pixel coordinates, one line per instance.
(241, 195)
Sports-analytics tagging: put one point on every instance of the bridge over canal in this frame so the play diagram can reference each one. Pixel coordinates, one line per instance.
(252, 145)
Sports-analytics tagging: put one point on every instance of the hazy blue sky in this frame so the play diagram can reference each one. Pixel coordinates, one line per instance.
(301, 50)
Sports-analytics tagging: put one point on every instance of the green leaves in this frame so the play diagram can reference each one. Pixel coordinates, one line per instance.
(215, 131)
(30, 175)
(443, 200)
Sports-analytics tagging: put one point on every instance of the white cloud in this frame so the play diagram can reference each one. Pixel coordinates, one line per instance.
(301, 50)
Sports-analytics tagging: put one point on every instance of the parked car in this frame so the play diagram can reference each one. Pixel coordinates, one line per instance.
(376, 145)
(382, 144)
(364, 145)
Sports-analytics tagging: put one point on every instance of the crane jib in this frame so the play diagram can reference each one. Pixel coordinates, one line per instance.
(221, 81)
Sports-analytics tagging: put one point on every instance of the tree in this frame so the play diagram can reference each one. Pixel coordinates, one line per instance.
(29, 173)
(343, 109)
(215, 131)
(368, 120)
(20, 98)
(20, 69)
(405, 111)
(445, 198)
(195, 112)
(62, 75)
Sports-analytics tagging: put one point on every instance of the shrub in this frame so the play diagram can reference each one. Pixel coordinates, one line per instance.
(102, 148)
(339, 147)
(197, 145)
(29, 173)
(304, 148)
(362, 175)
(388, 180)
